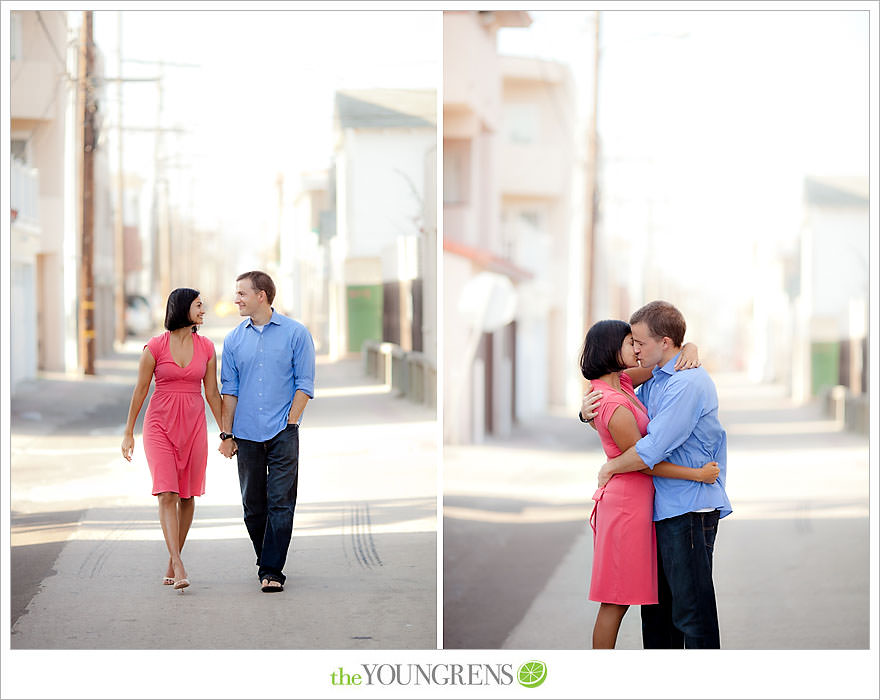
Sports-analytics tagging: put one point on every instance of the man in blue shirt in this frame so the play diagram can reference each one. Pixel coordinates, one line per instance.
(267, 378)
(684, 429)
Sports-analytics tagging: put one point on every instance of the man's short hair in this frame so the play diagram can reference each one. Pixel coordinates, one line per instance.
(261, 283)
(177, 308)
(663, 321)
(601, 352)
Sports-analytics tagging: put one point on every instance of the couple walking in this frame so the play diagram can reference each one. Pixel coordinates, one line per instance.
(267, 379)
(661, 494)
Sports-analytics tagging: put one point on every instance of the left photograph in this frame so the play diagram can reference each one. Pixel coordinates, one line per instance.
(223, 347)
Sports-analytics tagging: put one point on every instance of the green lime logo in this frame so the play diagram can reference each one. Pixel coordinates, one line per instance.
(532, 673)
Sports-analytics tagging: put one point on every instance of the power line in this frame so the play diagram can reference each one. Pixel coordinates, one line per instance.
(51, 42)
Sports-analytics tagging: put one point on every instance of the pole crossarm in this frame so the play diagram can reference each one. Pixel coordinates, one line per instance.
(163, 129)
(162, 63)
(127, 80)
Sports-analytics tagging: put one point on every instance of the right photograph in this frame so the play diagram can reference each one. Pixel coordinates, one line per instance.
(655, 329)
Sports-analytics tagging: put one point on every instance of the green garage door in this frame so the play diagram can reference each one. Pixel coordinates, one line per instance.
(364, 314)
(825, 363)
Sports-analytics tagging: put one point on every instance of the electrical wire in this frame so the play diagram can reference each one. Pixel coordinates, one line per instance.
(51, 42)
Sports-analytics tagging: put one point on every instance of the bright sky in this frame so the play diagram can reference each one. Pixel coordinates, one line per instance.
(261, 101)
(719, 114)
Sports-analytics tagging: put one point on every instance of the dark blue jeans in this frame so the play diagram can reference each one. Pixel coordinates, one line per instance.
(268, 474)
(685, 616)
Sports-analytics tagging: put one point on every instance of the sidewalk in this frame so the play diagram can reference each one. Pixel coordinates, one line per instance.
(791, 562)
(362, 565)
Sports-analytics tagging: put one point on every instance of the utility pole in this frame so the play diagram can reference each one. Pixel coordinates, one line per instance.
(119, 237)
(592, 186)
(160, 234)
(87, 109)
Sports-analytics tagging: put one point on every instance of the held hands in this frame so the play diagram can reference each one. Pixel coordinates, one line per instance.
(127, 446)
(708, 472)
(228, 448)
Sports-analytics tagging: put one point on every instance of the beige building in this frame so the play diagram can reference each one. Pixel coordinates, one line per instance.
(44, 197)
(42, 261)
(509, 161)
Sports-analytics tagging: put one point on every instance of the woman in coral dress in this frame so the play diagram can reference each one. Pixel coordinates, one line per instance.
(624, 545)
(175, 430)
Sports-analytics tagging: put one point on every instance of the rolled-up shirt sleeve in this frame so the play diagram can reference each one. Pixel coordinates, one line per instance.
(677, 413)
(228, 373)
(303, 348)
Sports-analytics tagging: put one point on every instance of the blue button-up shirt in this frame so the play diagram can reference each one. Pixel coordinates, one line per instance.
(684, 429)
(264, 370)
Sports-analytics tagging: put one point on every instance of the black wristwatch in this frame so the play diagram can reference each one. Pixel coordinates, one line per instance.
(584, 420)
(226, 436)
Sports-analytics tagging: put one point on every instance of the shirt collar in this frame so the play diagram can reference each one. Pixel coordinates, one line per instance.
(250, 321)
(668, 368)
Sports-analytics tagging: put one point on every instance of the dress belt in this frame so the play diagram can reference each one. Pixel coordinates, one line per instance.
(177, 391)
(596, 498)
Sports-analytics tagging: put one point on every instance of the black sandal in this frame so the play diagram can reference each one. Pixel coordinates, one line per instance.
(267, 586)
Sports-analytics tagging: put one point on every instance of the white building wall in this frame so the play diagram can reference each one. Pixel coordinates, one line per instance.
(379, 200)
(429, 257)
(839, 265)
(386, 186)
(458, 413)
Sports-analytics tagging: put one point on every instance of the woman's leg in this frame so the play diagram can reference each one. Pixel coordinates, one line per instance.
(607, 625)
(168, 518)
(185, 510)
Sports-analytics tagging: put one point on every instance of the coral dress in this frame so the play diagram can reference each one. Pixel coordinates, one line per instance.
(175, 430)
(624, 543)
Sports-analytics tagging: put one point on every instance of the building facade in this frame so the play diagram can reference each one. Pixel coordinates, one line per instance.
(831, 288)
(384, 138)
(509, 160)
(43, 254)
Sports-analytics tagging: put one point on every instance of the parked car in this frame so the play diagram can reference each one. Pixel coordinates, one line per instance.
(138, 315)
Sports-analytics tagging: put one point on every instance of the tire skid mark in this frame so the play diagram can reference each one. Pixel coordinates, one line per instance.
(93, 564)
(361, 537)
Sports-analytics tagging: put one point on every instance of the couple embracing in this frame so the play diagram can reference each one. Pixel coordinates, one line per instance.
(661, 494)
(267, 379)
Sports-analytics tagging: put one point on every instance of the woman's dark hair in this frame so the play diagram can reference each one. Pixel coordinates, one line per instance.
(177, 308)
(601, 353)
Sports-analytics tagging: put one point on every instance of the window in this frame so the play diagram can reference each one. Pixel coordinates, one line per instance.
(15, 36)
(456, 171)
(532, 219)
(19, 150)
(522, 123)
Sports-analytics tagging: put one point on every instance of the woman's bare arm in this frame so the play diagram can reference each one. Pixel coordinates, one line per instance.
(145, 375)
(705, 474)
(212, 392)
(625, 433)
(688, 358)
